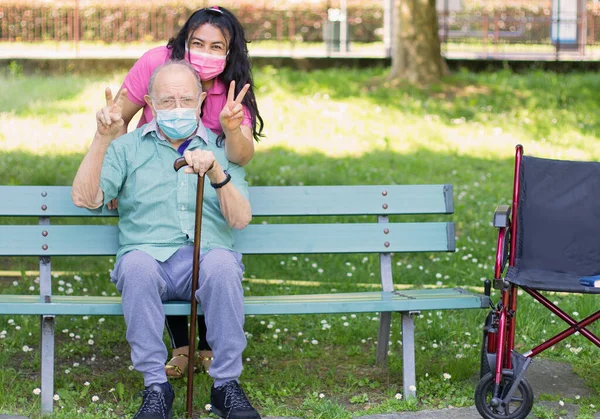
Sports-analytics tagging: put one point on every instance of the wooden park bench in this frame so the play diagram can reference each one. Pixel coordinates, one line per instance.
(375, 235)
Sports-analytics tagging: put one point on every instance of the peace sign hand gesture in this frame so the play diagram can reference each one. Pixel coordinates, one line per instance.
(232, 115)
(109, 119)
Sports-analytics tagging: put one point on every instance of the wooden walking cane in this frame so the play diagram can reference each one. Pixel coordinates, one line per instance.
(179, 163)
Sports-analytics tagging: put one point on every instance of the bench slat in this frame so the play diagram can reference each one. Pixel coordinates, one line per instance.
(265, 200)
(28, 201)
(414, 300)
(351, 200)
(94, 240)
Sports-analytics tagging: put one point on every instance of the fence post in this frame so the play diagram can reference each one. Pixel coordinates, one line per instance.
(344, 27)
(3, 23)
(388, 27)
(279, 26)
(496, 30)
(592, 28)
(582, 26)
(69, 24)
(291, 29)
(486, 28)
(76, 28)
(557, 48)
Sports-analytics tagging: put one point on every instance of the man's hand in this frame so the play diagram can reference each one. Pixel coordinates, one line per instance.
(232, 115)
(200, 161)
(109, 119)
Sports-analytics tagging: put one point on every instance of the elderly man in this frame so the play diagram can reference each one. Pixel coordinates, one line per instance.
(156, 225)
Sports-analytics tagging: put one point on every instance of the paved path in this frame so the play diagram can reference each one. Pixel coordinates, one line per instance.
(546, 377)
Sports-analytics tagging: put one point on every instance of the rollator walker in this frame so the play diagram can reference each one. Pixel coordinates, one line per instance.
(550, 240)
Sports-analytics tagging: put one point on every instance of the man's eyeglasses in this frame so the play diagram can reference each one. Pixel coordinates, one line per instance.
(172, 103)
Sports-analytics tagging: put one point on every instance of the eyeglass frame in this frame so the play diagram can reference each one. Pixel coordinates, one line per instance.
(175, 102)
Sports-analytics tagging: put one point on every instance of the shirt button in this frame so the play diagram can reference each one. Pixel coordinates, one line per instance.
(182, 208)
(182, 183)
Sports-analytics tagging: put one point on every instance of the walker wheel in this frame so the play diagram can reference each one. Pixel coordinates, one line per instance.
(519, 405)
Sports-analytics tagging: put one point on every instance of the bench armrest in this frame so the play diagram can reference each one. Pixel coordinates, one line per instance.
(502, 216)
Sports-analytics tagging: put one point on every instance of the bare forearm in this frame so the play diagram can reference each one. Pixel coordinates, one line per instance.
(86, 190)
(239, 146)
(234, 206)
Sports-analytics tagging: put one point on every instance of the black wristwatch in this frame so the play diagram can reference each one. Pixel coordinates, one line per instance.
(225, 182)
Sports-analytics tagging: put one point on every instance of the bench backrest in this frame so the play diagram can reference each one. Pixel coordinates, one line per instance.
(46, 202)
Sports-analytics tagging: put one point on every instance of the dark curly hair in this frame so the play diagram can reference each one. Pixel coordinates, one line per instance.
(237, 66)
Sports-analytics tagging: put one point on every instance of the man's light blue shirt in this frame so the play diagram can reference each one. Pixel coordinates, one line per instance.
(157, 204)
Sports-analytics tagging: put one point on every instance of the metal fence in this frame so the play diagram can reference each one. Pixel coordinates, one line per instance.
(527, 29)
(561, 29)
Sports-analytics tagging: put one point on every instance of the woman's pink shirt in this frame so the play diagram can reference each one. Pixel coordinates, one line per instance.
(136, 83)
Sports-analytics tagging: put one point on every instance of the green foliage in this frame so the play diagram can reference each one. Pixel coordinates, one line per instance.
(14, 70)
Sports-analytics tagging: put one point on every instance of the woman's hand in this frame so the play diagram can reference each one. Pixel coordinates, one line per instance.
(232, 115)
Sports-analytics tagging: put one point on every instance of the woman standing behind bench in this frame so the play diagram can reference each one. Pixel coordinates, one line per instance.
(213, 41)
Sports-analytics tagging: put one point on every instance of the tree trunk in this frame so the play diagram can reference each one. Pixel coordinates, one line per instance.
(416, 54)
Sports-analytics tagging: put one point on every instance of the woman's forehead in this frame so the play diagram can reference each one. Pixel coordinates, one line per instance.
(209, 33)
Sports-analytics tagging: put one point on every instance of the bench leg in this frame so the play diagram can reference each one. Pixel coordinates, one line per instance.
(47, 361)
(408, 355)
(47, 332)
(385, 319)
(383, 339)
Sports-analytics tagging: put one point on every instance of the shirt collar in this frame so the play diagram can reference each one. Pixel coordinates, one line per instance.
(152, 126)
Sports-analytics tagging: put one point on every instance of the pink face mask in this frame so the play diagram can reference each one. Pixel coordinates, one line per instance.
(208, 66)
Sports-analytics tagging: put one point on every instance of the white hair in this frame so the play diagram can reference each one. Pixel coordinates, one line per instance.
(171, 63)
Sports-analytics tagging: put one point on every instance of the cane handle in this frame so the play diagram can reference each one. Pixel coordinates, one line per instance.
(181, 162)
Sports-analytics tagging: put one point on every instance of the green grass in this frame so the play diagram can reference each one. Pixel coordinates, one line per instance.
(324, 127)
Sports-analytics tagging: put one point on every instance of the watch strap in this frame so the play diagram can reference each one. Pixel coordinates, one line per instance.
(225, 182)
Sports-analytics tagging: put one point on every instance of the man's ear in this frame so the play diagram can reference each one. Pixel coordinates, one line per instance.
(202, 97)
(148, 100)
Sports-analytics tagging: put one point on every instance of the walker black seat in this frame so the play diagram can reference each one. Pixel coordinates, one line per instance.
(558, 236)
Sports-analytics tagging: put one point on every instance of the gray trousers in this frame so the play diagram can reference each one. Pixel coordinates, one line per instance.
(144, 283)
